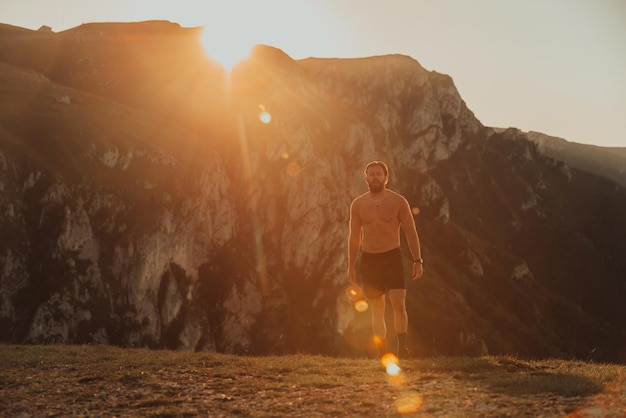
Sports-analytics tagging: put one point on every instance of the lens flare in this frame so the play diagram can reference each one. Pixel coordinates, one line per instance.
(388, 358)
(284, 155)
(361, 306)
(398, 380)
(264, 116)
(409, 403)
(228, 50)
(355, 293)
(393, 369)
(415, 210)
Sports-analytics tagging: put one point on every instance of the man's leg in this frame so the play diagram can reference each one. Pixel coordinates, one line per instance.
(397, 298)
(378, 322)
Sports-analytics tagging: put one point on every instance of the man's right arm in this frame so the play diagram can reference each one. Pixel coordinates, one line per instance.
(354, 241)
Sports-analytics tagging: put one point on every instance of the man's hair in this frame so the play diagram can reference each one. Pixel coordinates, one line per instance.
(378, 164)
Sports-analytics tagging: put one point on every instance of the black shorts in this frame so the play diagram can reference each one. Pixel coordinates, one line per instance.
(381, 272)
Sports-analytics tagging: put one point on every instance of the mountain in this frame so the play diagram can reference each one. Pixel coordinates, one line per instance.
(609, 162)
(148, 200)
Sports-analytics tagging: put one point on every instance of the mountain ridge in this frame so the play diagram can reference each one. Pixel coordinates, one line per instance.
(173, 217)
(609, 162)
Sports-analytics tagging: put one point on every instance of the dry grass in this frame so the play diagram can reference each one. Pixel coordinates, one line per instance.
(108, 381)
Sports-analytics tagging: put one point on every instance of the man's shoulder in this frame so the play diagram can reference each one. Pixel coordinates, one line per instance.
(357, 200)
(396, 195)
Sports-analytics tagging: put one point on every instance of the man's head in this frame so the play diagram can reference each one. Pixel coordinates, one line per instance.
(376, 176)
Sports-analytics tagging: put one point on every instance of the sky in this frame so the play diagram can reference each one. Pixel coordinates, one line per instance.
(552, 66)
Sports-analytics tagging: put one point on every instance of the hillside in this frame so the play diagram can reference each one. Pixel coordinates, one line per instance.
(110, 381)
(603, 161)
(146, 204)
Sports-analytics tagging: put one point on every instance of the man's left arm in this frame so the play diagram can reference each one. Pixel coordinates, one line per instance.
(408, 226)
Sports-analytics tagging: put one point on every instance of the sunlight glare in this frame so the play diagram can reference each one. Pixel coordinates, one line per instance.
(409, 403)
(389, 359)
(398, 380)
(354, 293)
(393, 369)
(226, 48)
(264, 116)
(361, 306)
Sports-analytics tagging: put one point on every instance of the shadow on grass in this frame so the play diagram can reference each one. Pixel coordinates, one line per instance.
(516, 377)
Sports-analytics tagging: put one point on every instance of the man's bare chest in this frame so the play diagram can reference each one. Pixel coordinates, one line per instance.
(379, 212)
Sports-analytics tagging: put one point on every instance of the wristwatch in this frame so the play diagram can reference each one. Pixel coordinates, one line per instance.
(418, 260)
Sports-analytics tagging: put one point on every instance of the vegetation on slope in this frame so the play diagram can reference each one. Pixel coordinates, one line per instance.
(109, 381)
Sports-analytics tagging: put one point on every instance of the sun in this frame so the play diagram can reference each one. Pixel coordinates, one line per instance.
(231, 28)
(226, 48)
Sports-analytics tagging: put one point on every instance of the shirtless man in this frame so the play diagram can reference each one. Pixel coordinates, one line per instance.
(375, 221)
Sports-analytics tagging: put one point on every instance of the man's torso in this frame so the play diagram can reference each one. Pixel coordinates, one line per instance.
(380, 221)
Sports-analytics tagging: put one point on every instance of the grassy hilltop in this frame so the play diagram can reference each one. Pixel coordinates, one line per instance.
(109, 381)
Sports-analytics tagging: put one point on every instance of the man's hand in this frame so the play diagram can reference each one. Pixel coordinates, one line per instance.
(418, 270)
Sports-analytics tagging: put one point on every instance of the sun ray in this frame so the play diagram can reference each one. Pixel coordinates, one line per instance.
(226, 48)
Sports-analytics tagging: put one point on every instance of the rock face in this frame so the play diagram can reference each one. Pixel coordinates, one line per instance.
(603, 161)
(149, 199)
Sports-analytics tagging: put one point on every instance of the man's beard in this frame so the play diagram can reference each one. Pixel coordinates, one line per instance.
(376, 187)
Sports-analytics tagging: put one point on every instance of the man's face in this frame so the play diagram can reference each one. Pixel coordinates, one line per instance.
(376, 179)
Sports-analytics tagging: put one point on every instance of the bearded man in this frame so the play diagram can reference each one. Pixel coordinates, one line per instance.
(376, 218)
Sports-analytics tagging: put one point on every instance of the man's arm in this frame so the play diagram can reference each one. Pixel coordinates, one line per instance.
(408, 226)
(354, 241)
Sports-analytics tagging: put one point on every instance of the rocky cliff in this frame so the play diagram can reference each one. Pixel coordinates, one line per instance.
(603, 161)
(150, 199)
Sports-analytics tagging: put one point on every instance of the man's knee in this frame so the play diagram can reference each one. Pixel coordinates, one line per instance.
(399, 308)
(397, 297)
